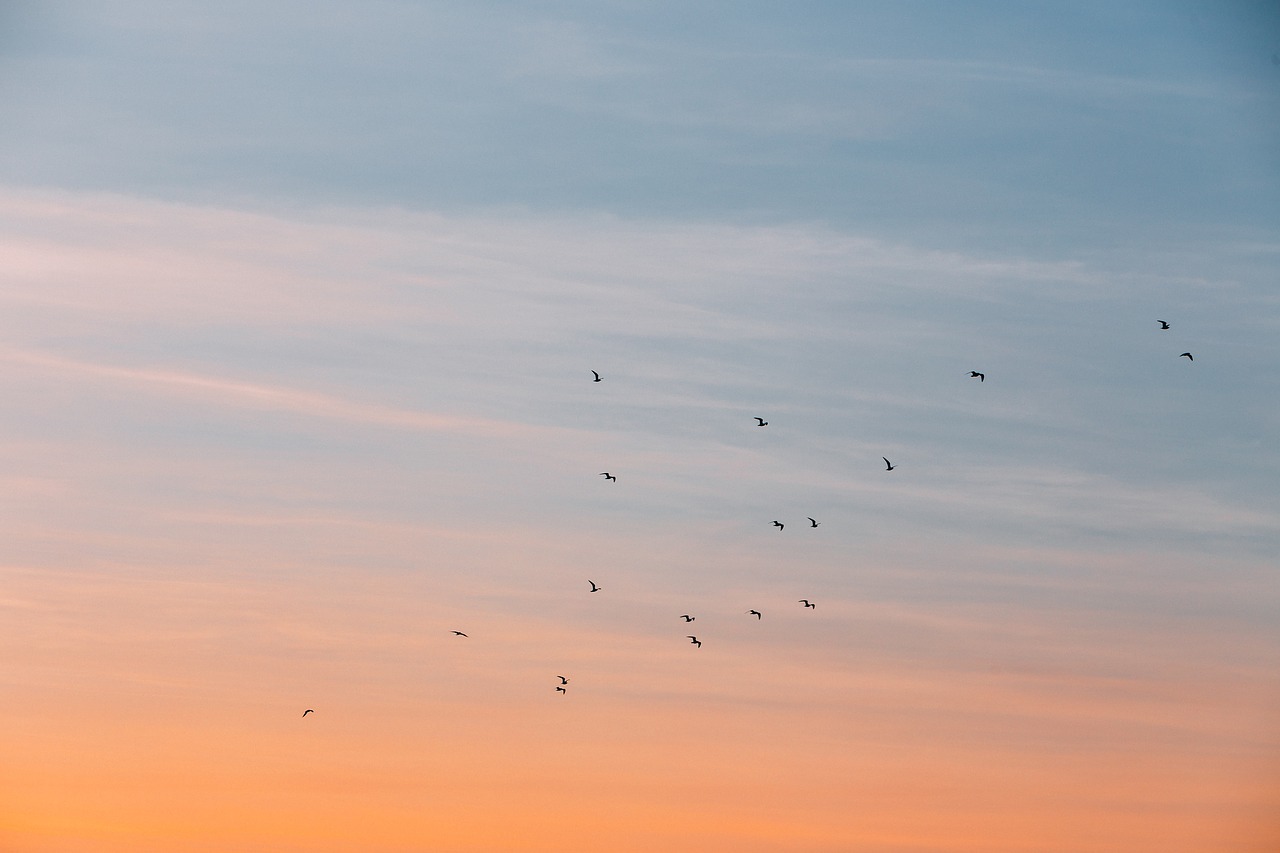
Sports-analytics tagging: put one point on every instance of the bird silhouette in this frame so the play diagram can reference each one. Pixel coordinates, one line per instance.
(981, 377)
(694, 640)
(779, 525)
(1164, 324)
(762, 422)
(1188, 355)
(686, 617)
(596, 375)
(460, 634)
(607, 476)
(308, 711)
(812, 522)
(890, 465)
(594, 588)
(563, 680)
(561, 689)
(806, 603)
(756, 613)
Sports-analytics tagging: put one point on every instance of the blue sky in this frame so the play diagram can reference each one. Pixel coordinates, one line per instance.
(300, 309)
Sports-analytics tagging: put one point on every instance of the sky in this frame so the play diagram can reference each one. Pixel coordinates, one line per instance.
(298, 317)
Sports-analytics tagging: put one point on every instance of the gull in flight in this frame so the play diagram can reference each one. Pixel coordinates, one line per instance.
(1188, 356)
(762, 422)
(686, 617)
(981, 377)
(694, 640)
(308, 711)
(594, 588)
(779, 525)
(890, 465)
(561, 689)
(563, 680)
(806, 603)
(812, 522)
(607, 476)
(596, 375)
(460, 634)
(1164, 324)
(756, 613)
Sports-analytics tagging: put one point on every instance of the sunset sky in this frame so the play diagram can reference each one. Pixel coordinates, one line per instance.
(299, 308)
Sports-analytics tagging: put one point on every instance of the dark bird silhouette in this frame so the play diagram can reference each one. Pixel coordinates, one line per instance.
(694, 640)
(561, 689)
(686, 617)
(1187, 355)
(1164, 324)
(607, 476)
(779, 525)
(563, 680)
(806, 603)
(460, 634)
(812, 522)
(755, 613)
(981, 377)
(594, 588)
(762, 422)
(596, 375)
(308, 711)
(890, 465)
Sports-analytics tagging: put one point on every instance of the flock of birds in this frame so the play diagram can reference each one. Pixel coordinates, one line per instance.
(813, 523)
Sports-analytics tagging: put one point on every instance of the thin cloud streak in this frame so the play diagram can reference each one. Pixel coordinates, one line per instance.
(254, 395)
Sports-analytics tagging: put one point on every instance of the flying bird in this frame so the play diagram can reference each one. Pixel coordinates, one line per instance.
(308, 711)
(460, 634)
(762, 422)
(563, 680)
(686, 617)
(607, 476)
(756, 613)
(981, 377)
(1164, 324)
(779, 525)
(694, 640)
(594, 588)
(812, 522)
(596, 375)
(806, 603)
(890, 465)
(1188, 356)
(561, 689)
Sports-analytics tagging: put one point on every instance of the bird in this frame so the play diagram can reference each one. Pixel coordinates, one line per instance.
(563, 680)
(460, 634)
(779, 525)
(812, 522)
(561, 689)
(890, 465)
(762, 422)
(308, 711)
(806, 603)
(1164, 324)
(755, 612)
(981, 377)
(594, 588)
(694, 640)
(597, 376)
(607, 476)
(686, 617)
(1188, 356)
